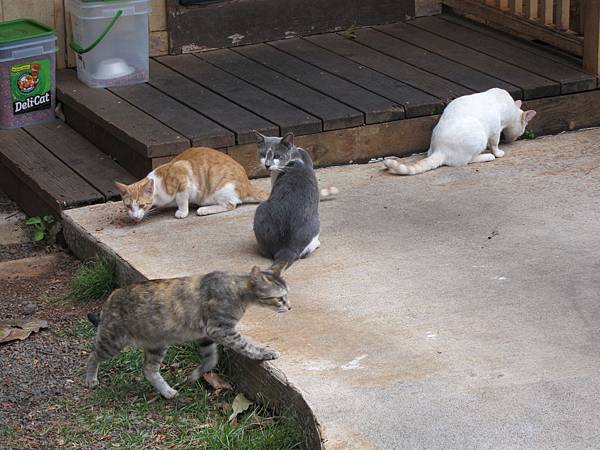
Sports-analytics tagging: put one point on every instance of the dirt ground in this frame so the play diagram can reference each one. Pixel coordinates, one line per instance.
(36, 373)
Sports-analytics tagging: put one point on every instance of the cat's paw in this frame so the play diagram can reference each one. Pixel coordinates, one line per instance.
(181, 214)
(91, 383)
(269, 355)
(168, 392)
(498, 153)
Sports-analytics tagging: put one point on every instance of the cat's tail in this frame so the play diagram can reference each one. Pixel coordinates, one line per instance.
(433, 161)
(329, 192)
(255, 194)
(94, 319)
(283, 260)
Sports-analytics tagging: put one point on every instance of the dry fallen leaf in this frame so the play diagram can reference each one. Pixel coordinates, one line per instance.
(216, 382)
(20, 331)
(239, 405)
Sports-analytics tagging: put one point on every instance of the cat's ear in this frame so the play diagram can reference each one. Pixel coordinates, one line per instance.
(259, 137)
(528, 115)
(149, 187)
(288, 139)
(255, 274)
(122, 188)
(518, 103)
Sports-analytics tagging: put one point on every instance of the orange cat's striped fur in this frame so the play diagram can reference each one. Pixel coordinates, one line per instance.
(200, 175)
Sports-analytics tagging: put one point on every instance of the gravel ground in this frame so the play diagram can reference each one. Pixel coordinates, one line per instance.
(40, 372)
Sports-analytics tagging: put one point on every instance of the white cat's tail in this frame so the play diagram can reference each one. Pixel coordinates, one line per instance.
(431, 162)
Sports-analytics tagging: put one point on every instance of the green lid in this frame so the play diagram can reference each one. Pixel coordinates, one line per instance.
(18, 30)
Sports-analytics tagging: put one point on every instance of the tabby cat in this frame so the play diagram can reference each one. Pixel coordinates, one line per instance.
(200, 175)
(156, 314)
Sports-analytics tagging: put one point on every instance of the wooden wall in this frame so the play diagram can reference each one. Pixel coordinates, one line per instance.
(55, 13)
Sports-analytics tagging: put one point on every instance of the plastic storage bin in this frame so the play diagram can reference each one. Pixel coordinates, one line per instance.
(111, 41)
(27, 73)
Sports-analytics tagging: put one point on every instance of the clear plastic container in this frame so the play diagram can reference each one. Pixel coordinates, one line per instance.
(111, 41)
(27, 73)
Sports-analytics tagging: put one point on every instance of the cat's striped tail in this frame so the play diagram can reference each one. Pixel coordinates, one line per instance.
(283, 260)
(431, 162)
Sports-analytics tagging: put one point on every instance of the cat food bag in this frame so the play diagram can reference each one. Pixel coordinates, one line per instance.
(27, 73)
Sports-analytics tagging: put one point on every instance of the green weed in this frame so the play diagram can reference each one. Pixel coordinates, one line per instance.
(44, 227)
(92, 281)
(81, 329)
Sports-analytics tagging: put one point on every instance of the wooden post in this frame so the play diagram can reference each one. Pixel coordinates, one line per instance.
(517, 7)
(503, 4)
(532, 10)
(548, 12)
(564, 14)
(591, 37)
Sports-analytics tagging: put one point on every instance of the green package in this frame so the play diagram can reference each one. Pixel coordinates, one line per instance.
(30, 86)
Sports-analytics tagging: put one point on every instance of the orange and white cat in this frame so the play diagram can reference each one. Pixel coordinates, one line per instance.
(200, 175)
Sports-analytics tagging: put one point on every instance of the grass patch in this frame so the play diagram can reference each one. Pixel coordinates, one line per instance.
(92, 281)
(119, 413)
(81, 329)
(529, 134)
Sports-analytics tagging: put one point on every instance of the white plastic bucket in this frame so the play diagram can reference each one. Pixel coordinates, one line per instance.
(111, 41)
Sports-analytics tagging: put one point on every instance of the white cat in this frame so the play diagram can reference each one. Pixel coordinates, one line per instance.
(468, 126)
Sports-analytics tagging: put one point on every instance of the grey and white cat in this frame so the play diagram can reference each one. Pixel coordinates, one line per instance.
(287, 224)
(470, 125)
(156, 314)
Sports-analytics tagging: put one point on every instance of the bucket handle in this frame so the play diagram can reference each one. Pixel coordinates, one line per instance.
(80, 50)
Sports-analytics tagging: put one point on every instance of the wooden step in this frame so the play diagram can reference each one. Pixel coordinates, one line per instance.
(348, 96)
(118, 128)
(48, 168)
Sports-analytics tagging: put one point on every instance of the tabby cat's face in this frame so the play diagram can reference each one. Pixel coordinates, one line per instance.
(274, 152)
(137, 197)
(270, 290)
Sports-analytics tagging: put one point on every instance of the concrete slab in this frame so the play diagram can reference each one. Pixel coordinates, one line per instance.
(454, 309)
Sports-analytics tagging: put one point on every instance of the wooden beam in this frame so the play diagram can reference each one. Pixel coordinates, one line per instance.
(563, 9)
(591, 33)
(158, 17)
(71, 57)
(59, 26)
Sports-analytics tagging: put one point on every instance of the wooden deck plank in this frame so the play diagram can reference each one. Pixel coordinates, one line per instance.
(217, 108)
(415, 102)
(83, 157)
(335, 115)
(533, 86)
(135, 128)
(287, 117)
(392, 67)
(539, 48)
(431, 62)
(200, 130)
(375, 108)
(49, 181)
(571, 80)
